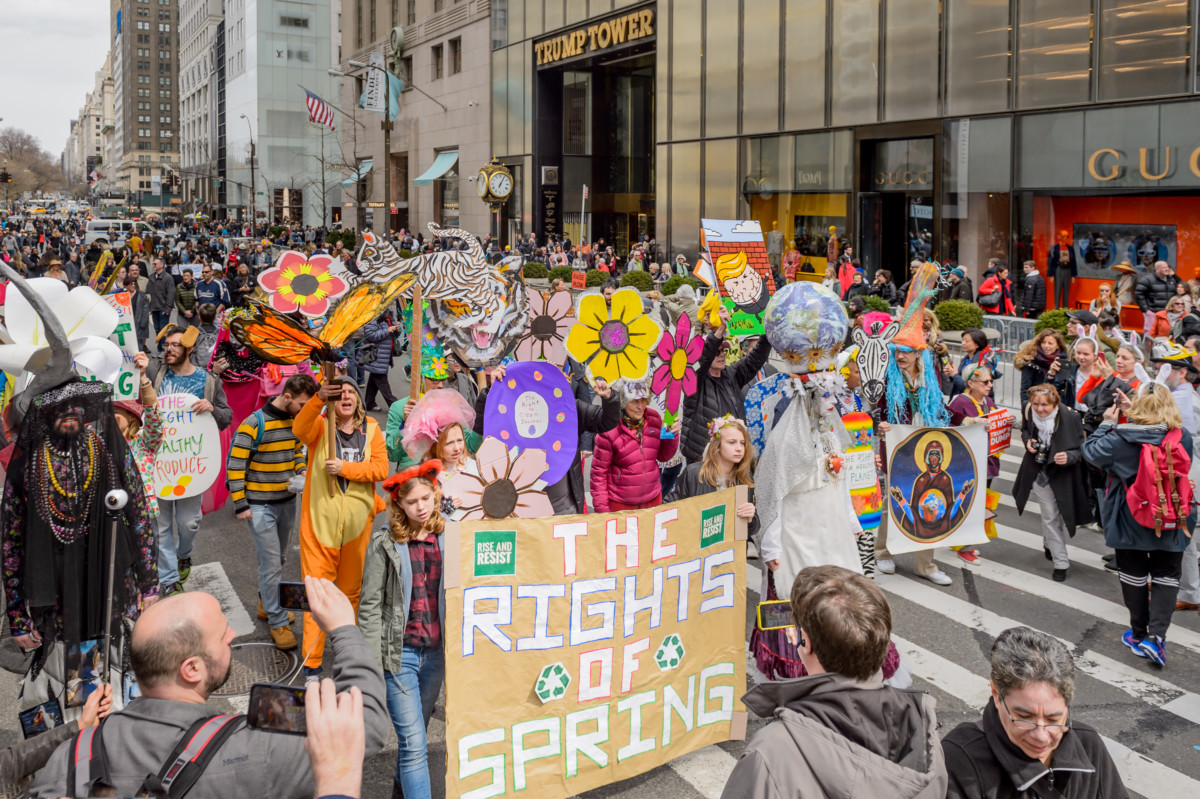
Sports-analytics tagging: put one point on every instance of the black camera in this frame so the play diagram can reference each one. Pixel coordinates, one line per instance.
(1041, 453)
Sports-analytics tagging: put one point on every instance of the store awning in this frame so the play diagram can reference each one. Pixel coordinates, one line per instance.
(363, 168)
(441, 165)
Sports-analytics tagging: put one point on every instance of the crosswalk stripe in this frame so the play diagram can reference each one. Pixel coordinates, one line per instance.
(1078, 555)
(211, 578)
(1137, 770)
(1147, 687)
(1061, 594)
(707, 770)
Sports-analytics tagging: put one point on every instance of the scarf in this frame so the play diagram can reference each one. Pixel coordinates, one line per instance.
(1045, 427)
(1173, 317)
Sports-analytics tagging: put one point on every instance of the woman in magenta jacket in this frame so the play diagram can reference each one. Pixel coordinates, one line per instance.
(625, 459)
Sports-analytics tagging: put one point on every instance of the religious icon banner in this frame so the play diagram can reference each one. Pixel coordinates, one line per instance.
(584, 650)
(936, 482)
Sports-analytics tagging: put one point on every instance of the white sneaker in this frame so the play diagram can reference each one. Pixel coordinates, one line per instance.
(939, 578)
(885, 566)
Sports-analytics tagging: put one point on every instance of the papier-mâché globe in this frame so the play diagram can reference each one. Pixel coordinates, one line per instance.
(806, 323)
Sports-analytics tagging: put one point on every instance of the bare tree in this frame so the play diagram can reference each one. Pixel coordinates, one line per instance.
(32, 168)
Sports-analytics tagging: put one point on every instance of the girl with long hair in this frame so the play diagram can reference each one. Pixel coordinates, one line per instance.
(1144, 556)
(1044, 360)
(402, 615)
(728, 461)
(1105, 301)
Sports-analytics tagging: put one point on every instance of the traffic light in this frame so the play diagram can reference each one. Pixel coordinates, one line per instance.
(5, 177)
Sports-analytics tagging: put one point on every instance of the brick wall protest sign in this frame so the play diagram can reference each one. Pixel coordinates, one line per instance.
(584, 650)
(125, 337)
(189, 459)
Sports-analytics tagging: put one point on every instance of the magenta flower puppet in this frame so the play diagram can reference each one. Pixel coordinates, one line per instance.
(550, 320)
(678, 351)
(304, 284)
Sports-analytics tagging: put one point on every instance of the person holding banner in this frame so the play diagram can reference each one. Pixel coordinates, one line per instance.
(402, 615)
(1052, 472)
(728, 462)
(142, 426)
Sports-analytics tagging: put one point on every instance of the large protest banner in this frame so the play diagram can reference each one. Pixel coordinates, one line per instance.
(937, 482)
(583, 650)
(124, 336)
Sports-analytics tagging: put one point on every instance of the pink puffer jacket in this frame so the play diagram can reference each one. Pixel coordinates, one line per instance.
(625, 470)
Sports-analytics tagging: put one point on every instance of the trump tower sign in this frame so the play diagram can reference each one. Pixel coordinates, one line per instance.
(590, 649)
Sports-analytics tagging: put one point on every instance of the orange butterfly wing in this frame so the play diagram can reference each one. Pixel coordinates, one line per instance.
(364, 302)
(275, 338)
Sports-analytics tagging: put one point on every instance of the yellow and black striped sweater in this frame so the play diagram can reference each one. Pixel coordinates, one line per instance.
(260, 474)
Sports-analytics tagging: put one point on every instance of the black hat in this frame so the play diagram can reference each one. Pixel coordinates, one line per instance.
(1084, 316)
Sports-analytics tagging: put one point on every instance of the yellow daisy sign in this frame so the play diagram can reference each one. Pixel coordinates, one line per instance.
(615, 342)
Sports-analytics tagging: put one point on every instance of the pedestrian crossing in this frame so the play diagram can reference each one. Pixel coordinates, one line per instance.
(943, 634)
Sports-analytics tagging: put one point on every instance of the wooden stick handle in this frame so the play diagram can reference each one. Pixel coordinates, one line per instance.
(414, 343)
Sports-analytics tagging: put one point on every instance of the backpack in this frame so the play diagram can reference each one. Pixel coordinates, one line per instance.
(1160, 496)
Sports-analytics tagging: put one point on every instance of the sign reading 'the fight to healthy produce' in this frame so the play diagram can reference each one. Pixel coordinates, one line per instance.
(189, 459)
(619, 638)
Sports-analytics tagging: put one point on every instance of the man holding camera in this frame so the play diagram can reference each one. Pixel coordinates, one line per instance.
(181, 654)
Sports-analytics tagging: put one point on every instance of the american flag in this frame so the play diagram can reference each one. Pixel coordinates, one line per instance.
(585, 191)
(318, 110)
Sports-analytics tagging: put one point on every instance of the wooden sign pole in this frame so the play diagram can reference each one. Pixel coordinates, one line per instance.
(414, 344)
(327, 375)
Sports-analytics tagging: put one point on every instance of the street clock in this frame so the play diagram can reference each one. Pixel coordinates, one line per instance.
(494, 183)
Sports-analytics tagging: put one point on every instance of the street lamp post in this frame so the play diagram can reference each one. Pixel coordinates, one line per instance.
(253, 214)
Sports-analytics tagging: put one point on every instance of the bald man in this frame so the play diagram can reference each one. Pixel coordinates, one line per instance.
(181, 654)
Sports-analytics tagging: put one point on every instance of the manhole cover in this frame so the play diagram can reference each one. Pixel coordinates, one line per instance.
(255, 662)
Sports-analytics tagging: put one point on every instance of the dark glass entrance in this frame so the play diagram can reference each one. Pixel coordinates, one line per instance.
(895, 205)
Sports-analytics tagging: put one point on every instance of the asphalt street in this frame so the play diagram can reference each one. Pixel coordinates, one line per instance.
(1150, 717)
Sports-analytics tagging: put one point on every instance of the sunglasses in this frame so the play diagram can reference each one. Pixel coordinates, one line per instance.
(987, 382)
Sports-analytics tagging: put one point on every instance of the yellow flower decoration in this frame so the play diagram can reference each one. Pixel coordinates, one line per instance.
(613, 343)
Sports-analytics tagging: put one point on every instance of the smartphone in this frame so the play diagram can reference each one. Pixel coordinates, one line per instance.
(277, 708)
(293, 596)
(775, 614)
(42, 718)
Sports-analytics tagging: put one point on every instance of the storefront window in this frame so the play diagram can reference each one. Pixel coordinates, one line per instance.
(978, 59)
(760, 66)
(721, 69)
(911, 69)
(975, 192)
(685, 198)
(577, 113)
(720, 179)
(855, 63)
(1145, 48)
(446, 198)
(804, 71)
(1054, 52)
(685, 75)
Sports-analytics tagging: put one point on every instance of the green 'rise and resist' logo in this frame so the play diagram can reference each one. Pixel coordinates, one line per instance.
(495, 553)
(712, 526)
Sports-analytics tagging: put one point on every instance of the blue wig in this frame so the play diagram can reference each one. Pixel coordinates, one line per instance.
(929, 401)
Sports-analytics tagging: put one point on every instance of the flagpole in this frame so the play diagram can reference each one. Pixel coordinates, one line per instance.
(582, 206)
(338, 108)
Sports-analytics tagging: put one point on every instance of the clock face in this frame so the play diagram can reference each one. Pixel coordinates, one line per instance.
(481, 183)
(500, 184)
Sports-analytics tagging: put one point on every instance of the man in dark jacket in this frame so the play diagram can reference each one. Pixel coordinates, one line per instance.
(961, 287)
(840, 731)
(1154, 289)
(1028, 744)
(1033, 295)
(718, 388)
(381, 333)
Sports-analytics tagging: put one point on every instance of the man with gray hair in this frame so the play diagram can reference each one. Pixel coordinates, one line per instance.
(1027, 745)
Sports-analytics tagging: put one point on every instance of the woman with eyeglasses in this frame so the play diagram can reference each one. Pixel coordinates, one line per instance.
(1027, 745)
(1105, 301)
(972, 407)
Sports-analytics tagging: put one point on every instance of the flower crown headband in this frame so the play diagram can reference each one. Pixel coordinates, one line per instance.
(720, 423)
(430, 470)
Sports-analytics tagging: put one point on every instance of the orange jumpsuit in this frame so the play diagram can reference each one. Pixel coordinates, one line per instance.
(335, 525)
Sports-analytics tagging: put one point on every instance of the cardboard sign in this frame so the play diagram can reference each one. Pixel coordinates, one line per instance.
(936, 483)
(584, 650)
(865, 495)
(124, 336)
(189, 459)
(999, 427)
(734, 260)
(579, 280)
(533, 407)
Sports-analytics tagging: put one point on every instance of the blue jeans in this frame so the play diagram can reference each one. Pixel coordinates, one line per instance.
(271, 527)
(411, 695)
(175, 515)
